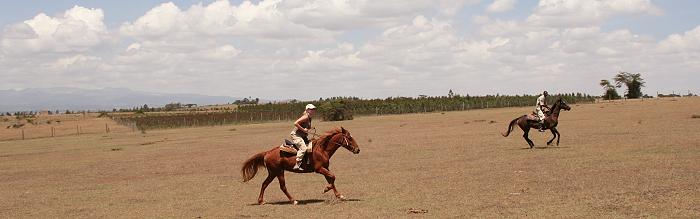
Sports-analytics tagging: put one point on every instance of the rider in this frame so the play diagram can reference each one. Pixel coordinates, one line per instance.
(541, 108)
(301, 131)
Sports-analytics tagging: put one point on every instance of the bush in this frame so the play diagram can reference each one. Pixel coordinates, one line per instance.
(103, 114)
(335, 110)
(611, 94)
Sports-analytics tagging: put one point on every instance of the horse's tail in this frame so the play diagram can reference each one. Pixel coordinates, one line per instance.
(250, 166)
(510, 127)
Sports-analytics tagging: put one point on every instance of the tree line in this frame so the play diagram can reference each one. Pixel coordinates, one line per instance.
(344, 108)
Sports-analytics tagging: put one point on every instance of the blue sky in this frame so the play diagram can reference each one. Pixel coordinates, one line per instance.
(680, 15)
(369, 48)
(117, 11)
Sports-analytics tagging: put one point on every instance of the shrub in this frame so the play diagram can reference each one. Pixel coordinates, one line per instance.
(611, 94)
(335, 110)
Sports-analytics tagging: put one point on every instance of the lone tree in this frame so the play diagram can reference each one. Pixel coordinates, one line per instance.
(633, 81)
(610, 91)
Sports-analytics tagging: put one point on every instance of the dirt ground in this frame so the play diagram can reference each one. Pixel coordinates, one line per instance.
(46, 126)
(617, 159)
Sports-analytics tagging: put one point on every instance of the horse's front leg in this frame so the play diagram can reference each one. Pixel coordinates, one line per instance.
(330, 178)
(558, 135)
(554, 132)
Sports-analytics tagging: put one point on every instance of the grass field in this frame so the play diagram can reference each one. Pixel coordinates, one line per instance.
(46, 126)
(616, 159)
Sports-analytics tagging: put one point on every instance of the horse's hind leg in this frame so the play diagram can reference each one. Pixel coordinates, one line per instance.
(283, 187)
(526, 131)
(265, 183)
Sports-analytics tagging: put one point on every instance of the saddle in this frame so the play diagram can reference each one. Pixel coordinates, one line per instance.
(533, 116)
(291, 148)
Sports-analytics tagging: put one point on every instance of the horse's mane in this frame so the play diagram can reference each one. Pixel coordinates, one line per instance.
(323, 140)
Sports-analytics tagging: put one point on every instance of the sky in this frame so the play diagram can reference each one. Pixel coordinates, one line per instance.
(306, 49)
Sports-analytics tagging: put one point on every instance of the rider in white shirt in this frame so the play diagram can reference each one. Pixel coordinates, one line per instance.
(541, 108)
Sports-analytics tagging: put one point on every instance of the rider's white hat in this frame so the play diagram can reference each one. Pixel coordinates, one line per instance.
(310, 106)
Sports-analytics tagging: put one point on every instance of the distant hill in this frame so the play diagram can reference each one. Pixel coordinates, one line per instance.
(62, 98)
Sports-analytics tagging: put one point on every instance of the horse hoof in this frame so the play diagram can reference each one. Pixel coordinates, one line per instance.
(261, 203)
(341, 197)
(295, 202)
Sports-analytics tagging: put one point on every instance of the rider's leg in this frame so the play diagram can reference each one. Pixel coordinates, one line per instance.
(299, 141)
(542, 117)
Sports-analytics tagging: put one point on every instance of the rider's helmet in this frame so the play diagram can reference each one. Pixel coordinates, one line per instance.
(545, 93)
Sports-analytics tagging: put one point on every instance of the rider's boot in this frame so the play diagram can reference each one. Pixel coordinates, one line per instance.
(542, 126)
(298, 165)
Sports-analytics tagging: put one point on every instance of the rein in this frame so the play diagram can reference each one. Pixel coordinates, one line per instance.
(345, 138)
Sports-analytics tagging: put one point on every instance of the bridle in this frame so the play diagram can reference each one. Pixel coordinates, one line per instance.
(346, 141)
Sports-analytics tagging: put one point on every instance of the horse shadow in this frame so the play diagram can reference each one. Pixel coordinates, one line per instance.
(310, 201)
(544, 147)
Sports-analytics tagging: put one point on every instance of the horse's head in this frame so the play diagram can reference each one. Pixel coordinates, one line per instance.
(562, 103)
(343, 138)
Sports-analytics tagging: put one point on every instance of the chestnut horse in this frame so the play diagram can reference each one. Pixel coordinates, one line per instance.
(550, 122)
(277, 162)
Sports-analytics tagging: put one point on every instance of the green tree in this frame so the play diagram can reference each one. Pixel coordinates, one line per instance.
(610, 91)
(633, 82)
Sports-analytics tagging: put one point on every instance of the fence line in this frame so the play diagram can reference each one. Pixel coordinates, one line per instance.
(164, 121)
(52, 131)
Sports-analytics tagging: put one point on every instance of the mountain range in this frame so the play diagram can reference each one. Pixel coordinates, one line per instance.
(63, 98)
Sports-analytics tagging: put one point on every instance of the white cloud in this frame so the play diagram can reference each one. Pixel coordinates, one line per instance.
(262, 21)
(501, 6)
(688, 41)
(346, 48)
(562, 13)
(77, 29)
(345, 15)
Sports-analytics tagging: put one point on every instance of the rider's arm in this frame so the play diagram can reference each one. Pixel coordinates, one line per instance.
(299, 121)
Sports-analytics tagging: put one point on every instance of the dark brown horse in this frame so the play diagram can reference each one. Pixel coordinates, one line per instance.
(277, 162)
(550, 122)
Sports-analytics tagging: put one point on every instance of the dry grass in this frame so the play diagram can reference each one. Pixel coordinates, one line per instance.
(695, 116)
(62, 124)
(436, 165)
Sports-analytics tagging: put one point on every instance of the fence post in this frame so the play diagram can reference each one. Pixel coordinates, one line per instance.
(77, 129)
(53, 132)
(23, 134)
